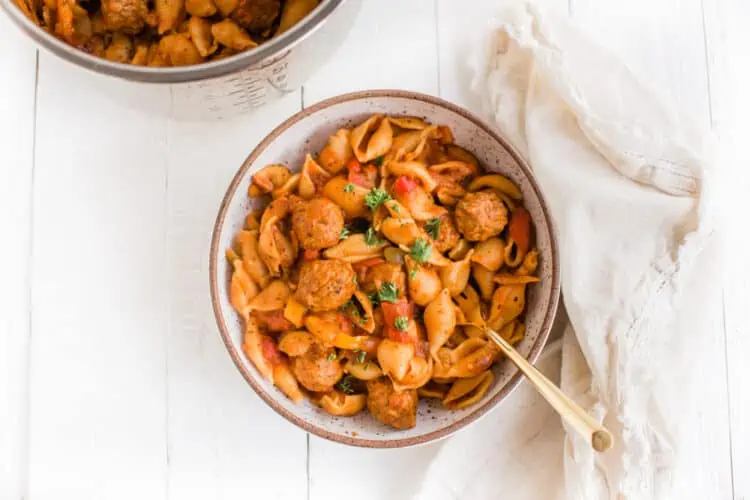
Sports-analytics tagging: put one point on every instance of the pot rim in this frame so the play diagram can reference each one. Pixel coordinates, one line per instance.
(272, 50)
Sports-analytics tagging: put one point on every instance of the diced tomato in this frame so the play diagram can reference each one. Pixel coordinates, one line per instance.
(520, 228)
(270, 350)
(363, 264)
(362, 175)
(392, 310)
(404, 185)
(311, 254)
(273, 321)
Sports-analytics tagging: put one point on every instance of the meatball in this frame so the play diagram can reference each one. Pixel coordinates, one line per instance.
(448, 236)
(314, 370)
(481, 215)
(256, 16)
(390, 407)
(382, 273)
(128, 16)
(318, 223)
(325, 284)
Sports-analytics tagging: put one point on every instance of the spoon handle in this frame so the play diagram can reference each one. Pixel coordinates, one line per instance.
(596, 434)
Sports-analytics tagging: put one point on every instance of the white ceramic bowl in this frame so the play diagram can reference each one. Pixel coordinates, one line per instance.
(309, 131)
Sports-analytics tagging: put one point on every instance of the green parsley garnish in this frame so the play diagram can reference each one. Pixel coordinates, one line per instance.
(361, 356)
(433, 227)
(374, 299)
(344, 234)
(413, 273)
(421, 250)
(333, 356)
(401, 323)
(396, 209)
(349, 188)
(378, 161)
(371, 237)
(376, 197)
(388, 292)
(345, 385)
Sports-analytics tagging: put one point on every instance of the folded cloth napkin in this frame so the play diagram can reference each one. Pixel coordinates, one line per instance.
(629, 185)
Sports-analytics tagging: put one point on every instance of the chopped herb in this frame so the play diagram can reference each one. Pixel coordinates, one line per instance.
(401, 323)
(433, 227)
(376, 197)
(374, 299)
(349, 188)
(378, 161)
(345, 385)
(361, 356)
(388, 292)
(395, 208)
(413, 273)
(344, 234)
(333, 356)
(421, 250)
(371, 237)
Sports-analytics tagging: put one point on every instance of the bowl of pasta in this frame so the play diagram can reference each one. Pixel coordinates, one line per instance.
(361, 253)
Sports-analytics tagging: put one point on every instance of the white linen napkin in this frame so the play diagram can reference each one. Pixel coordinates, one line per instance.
(628, 185)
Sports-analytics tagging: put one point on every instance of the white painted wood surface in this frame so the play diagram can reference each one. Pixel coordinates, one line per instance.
(114, 383)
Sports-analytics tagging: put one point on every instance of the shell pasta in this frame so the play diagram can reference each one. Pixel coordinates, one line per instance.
(371, 276)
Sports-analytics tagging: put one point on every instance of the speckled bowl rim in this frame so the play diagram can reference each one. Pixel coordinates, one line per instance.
(215, 282)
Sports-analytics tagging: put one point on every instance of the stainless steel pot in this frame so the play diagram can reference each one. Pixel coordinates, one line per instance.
(232, 85)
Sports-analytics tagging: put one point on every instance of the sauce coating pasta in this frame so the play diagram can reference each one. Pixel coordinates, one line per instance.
(371, 277)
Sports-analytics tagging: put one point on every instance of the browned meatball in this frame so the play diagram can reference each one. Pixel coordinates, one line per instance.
(318, 223)
(481, 215)
(382, 273)
(314, 370)
(447, 235)
(128, 16)
(388, 406)
(256, 16)
(325, 284)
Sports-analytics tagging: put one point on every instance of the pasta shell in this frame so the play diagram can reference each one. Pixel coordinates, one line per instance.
(363, 371)
(247, 242)
(230, 34)
(413, 169)
(456, 170)
(421, 205)
(460, 250)
(408, 122)
(512, 279)
(275, 249)
(404, 144)
(242, 289)
(290, 186)
(372, 139)
(468, 301)
(433, 390)
(466, 392)
(440, 321)
(496, 181)
(350, 197)
(460, 154)
(508, 303)
(326, 327)
(529, 265)
(200, 33)
(424, 283)
(489, 253)
(420, 372)
(272, 298)
(401, 232)
(313, 178)
(355, 249)
(200, 8)
(485, 280)
(268, 179)
(284, 379)
(337, 153)
(394, 358)
(252, 347)
(366, 321)
(342, 405)
(455, 276)
(169, 13)
(293, 11)
(295, 343)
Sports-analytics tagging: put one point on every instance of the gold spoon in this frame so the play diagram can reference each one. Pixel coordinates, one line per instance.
(596, 434)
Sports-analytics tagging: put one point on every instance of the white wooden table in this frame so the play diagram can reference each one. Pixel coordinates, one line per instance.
(113, 380)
